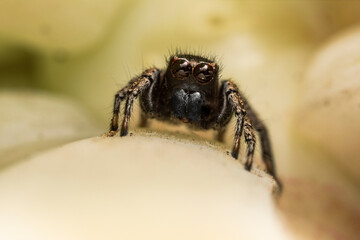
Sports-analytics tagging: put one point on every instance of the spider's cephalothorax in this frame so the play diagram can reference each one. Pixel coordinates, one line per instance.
(188, 91)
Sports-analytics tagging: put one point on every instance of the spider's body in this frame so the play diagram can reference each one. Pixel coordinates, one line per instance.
(186, 100)
(188, 91)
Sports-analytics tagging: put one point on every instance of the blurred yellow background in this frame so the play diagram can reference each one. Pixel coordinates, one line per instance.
(89, 49)
(298, 62)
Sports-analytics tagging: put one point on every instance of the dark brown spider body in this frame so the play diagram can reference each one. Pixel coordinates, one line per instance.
(188, 91)
(185, 100)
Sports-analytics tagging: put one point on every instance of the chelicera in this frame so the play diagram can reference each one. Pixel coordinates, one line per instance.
(189, 91)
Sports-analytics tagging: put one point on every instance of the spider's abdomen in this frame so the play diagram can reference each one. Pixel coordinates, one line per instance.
(187, 106)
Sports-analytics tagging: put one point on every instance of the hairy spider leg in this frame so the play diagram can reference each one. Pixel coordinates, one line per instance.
(231, 102)
(119, 97)
(250, 139)
(267, 156)
(140, 85)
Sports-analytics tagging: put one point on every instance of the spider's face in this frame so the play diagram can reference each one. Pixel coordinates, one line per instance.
(193, 83)
(202, 72)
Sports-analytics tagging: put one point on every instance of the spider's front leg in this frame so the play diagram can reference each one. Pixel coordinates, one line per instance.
(139, 86)
(119, 97)
(230, 101)
(247, 121)
(133, 89)
(250, 140)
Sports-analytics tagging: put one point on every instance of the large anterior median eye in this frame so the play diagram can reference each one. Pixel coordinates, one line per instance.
(204, 73)
(180, 68)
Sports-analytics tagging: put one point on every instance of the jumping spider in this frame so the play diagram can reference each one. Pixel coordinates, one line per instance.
(188, 91)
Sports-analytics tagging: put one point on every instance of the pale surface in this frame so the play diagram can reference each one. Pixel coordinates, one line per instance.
(33, 120)
(322, 187)
(137, 187)
(331, 101)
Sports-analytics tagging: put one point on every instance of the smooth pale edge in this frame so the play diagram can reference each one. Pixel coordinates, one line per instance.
(334, 68)
(134, 188)
(331, 101)
(31, 121)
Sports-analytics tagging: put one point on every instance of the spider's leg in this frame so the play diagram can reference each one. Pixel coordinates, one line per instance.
(231, 101)
(119, 97)
(267, 155)
(250, 139)
(142, 83)
(266, 151)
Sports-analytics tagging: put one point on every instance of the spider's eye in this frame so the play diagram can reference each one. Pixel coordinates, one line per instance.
(204, 73)
(180, 68)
